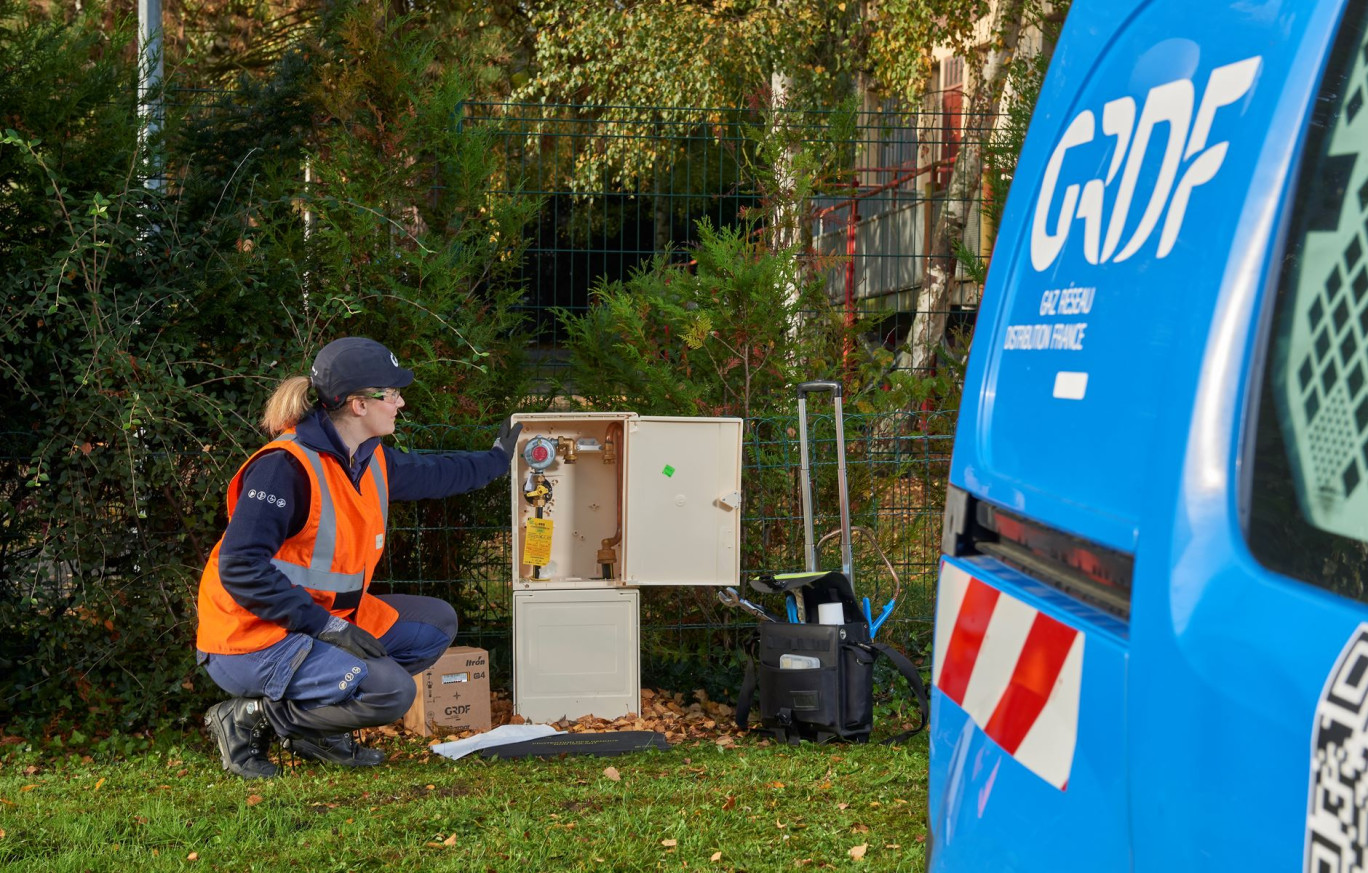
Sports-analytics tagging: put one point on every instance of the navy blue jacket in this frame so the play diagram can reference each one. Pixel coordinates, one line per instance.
(258, 528)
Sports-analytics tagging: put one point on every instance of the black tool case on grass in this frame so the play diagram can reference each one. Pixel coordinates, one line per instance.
(816, 681)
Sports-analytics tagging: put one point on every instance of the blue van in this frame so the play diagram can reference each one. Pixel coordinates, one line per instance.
(1151, 643)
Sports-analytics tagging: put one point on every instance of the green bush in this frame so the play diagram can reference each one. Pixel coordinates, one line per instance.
(142, 329)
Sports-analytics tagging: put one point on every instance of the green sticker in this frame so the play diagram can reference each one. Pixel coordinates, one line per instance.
(668, 471)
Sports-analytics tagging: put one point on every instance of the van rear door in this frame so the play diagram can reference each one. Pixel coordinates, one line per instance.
(1248, 693)
(1102, 625)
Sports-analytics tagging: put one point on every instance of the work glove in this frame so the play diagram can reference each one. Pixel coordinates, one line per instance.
(350, 638)
(507, 440)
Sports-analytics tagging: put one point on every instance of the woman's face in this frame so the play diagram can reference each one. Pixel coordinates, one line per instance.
(381, 409)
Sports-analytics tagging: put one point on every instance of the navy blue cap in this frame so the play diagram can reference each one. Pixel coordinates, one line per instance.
(351, 363)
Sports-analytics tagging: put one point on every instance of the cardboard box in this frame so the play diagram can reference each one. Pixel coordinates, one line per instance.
(453, 694)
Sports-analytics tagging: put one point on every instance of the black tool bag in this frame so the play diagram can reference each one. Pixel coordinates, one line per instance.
(816, 681)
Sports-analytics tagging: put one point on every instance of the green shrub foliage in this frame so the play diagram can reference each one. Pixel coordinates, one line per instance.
(143, 326)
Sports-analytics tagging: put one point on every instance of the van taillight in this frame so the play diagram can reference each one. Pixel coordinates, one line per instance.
(1085, 570)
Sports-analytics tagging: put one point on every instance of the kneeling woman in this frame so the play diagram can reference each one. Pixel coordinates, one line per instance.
(286, 624)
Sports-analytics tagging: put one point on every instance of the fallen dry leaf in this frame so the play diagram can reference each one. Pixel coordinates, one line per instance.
(858, 852)
(859, 828)
(253, 799)
(98, 784)
(193, 856)
(669, 844)
(612, 773)
(716, 856)
(449, 841)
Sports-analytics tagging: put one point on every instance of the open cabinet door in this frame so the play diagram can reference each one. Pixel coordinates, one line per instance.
(683, 518)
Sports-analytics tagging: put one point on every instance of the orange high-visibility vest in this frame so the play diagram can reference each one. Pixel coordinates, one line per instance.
(334, 553)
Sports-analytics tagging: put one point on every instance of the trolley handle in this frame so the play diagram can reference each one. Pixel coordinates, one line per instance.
(807, 388)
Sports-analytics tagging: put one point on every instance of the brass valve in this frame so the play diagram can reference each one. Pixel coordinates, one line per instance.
(568, 448)
(607, 558)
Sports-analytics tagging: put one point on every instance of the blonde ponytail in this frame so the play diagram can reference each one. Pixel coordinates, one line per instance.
(287, 405)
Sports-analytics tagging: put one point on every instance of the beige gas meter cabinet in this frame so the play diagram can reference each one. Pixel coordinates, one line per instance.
(603, 503)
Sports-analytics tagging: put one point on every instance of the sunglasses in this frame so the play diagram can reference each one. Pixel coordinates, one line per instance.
(389, 395)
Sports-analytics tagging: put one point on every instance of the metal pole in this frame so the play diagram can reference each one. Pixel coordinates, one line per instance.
(150, 87)
(847, 557)
(810, 544)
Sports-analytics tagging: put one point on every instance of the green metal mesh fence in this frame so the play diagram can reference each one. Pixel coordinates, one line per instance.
(460, 548)
(619, 185)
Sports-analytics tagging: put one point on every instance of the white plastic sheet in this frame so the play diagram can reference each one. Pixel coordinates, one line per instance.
(500, 736)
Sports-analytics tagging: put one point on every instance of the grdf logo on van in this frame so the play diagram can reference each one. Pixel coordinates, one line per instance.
(1183, 139)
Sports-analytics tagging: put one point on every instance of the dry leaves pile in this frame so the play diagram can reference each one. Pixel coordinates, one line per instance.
(661, 711)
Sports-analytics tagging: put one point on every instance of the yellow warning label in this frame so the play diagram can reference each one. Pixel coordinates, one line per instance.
(537, 542)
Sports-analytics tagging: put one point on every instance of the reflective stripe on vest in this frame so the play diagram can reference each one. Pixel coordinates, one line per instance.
(319, 575)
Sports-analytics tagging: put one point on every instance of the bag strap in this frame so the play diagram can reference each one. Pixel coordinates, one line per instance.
(743, 698)
(914, 682)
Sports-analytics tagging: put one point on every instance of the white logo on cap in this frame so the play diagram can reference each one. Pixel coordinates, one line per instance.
(393, 359)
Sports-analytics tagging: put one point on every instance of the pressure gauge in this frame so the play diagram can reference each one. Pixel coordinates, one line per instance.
(540, 452)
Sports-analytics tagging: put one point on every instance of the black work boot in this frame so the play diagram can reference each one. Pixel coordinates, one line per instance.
(336, 749)
(243, 734)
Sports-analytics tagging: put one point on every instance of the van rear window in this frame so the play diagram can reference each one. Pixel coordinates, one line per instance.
(1308, 494)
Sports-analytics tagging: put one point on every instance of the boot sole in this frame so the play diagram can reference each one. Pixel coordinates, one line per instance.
(321, 757)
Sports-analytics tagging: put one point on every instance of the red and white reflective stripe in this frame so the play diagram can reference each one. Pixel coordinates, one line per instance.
(1016, 671)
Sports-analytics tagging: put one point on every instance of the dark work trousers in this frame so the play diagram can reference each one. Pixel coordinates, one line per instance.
(310, 688)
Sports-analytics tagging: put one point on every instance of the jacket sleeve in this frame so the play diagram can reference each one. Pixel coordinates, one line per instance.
(426, 476)
(254, 535)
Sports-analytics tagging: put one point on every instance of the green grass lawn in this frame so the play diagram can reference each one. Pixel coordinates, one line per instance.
(752, 806)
